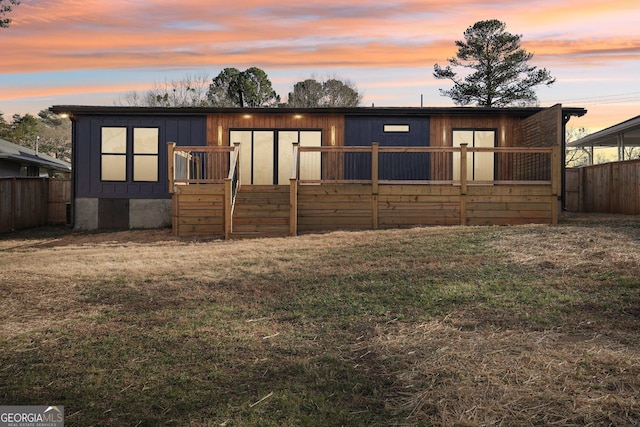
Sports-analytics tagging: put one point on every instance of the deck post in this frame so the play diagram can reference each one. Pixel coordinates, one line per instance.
(556, 168)
(374, 167)
(293, 207)
(293, 191)
(374, 183)
(463, 184)
(170, 148)
(463, 168)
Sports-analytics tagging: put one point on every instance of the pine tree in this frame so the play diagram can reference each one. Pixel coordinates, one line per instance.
(502, 73)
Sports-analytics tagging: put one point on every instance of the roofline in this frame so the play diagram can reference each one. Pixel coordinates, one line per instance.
(28, 156)
(43, 163)
(606, 133)
(78, 110)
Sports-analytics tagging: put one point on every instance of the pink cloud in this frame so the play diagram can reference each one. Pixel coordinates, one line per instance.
(372, 35)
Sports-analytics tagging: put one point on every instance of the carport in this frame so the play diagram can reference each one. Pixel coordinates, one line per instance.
(621, 136)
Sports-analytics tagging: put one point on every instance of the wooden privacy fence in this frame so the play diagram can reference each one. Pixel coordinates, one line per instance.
(606, 188)
(33, 202)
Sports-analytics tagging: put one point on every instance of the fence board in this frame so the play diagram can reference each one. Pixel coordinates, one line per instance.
(606, 188)
(59, 197)
(32, 202)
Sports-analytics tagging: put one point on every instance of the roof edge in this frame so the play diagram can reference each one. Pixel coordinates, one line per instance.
(101, 110)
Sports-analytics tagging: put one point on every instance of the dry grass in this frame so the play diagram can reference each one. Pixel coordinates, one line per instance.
(454, 374)
(532, 325)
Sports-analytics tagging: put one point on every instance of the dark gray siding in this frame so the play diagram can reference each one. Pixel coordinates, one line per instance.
(9, 168)
(187, 130)
(362, 131)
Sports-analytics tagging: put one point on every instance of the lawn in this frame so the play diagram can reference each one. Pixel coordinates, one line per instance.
(527, 325)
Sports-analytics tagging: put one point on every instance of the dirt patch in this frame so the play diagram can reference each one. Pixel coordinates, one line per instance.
(51, 237)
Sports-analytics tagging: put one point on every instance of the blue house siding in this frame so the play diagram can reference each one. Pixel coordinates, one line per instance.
(362, 131)
(184, 130)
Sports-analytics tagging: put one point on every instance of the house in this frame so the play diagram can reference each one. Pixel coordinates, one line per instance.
(622, 136)
(235, 172)
(16, 160)
(29, 196)
(612, 187)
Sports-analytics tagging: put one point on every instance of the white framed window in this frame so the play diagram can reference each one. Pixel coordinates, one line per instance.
(396, 128)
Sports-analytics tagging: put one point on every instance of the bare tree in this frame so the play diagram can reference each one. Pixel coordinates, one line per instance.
(576, 156)
(190, 91)
(631, 153)
(5, 7)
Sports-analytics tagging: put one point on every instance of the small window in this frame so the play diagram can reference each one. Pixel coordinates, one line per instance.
(114, 154)
(145, 154)
(396, 128)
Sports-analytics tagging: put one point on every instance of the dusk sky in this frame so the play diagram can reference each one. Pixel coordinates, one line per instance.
(91, 52)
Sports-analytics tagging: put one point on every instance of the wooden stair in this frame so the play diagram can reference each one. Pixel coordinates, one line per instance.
(261, 211)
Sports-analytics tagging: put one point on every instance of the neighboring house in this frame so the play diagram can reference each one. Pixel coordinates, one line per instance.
(299, 170)
(622, 136)
(611, 187)
(16, 160)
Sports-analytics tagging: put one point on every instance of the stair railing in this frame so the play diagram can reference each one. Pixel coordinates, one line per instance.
(231, 185)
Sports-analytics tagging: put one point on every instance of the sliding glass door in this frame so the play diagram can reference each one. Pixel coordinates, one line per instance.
(266, 156)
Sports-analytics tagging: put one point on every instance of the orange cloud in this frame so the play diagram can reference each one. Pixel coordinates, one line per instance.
(373, 35)
(8, 94)
(92, 34)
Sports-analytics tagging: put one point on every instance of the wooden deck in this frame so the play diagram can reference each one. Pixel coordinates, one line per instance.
(265, 211)
(257, 211)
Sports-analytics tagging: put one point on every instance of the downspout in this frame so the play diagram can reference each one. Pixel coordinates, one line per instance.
(563, 160)
(74, 162)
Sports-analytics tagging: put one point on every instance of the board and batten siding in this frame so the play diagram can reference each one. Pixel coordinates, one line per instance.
(387, 131)
(87, 154)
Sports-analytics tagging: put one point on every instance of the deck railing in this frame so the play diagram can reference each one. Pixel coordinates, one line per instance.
(429, 165)
(198, 164)
(231, 185)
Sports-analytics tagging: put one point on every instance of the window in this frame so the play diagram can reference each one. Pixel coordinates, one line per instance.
(396, 128)
(116, 152)
(145, 154)
(480, 166)
(266, 156)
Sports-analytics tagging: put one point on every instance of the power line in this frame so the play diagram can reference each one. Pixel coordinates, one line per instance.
(604, 99)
